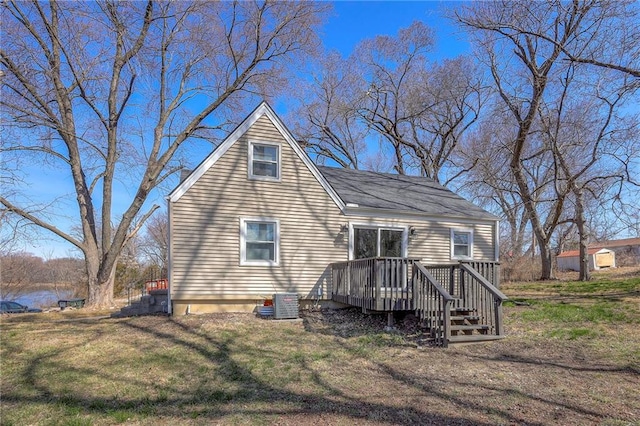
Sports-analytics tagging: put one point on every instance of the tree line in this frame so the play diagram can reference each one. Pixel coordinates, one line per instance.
(538, 123)
(144, 258)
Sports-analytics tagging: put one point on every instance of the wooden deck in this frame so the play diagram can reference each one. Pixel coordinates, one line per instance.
(459, 302)
(377, 284)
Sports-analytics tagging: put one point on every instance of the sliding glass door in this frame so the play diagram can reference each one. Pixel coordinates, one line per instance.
(377, 242)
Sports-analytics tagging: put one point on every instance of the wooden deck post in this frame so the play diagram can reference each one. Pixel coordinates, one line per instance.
(463, 289)
(498, 314)
(348, 283)
(379, 278)
(452, 280)
(446, 326)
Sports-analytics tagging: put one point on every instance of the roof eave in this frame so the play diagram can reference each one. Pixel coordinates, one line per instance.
(406, 215)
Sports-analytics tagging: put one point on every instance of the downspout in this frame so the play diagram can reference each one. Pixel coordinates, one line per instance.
(497, 241)
(169, 267)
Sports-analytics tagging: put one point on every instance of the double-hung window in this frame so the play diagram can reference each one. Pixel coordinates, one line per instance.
(461, 243)
(259, 241)
(264, 161)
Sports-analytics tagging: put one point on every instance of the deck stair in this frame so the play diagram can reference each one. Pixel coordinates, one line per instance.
(459, 303)
(149, 304)
(467, 328)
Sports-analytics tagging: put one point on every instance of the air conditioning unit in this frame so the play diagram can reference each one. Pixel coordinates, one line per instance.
(285, 305)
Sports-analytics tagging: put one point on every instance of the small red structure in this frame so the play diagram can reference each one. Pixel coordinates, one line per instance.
(161, 284)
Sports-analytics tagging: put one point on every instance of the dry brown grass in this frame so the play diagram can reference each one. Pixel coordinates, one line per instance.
(333, 367)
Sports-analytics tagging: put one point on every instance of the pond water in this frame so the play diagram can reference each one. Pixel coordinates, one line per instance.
(43, 298)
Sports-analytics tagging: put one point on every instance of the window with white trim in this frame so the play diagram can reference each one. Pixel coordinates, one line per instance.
(264, 161)
(259, 241)
(461, 243)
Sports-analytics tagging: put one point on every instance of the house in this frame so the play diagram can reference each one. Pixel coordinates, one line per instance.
(598, 258)
(258, 217)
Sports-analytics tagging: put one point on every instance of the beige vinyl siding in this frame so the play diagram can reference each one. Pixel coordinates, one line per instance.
(206, 227)
(205, 230)
(432, 244)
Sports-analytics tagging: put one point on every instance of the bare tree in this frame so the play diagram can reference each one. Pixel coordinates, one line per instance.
(110, 91)
(489, 182)
(584, 146)
(421, 109)
(18, 273)
(327, 123)
(454, 91)
(154, 245)
(527, 45)
(388, 90)
(390, 67)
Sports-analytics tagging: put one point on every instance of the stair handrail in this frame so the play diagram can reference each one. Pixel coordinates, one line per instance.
(442, 327)
(499, 296)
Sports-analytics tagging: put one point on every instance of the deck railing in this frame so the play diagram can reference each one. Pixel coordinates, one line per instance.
(432, 303)
(377, 283)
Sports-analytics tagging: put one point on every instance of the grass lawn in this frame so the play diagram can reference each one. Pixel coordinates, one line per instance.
(571, 357)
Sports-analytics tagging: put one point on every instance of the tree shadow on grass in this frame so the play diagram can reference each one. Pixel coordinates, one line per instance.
(226, 386)
(242, 393)
(503, 392)
(512, 358)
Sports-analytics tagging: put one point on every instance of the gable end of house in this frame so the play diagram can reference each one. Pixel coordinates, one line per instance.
(262, 110)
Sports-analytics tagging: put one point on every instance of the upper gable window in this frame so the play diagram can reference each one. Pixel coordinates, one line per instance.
(264, 161)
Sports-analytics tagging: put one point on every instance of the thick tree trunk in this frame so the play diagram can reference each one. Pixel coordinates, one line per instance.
(546, 261)
(100, 294)
(99, 290)
(582, 232)
(584, 261)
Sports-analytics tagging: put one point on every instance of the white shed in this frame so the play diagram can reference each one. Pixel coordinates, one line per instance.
(598, 259)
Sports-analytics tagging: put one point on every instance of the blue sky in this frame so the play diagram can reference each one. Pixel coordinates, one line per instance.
(353, 21)
(349, 23)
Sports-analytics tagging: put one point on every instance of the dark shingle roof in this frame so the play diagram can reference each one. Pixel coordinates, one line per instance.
(409, 194)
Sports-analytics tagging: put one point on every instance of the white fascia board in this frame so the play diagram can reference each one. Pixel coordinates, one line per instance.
(217, 153)
(303, 156)
(400, 215)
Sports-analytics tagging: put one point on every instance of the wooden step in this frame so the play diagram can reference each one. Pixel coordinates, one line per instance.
(469, 318)
(467, 327)
(474, 338)
(464, 310)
